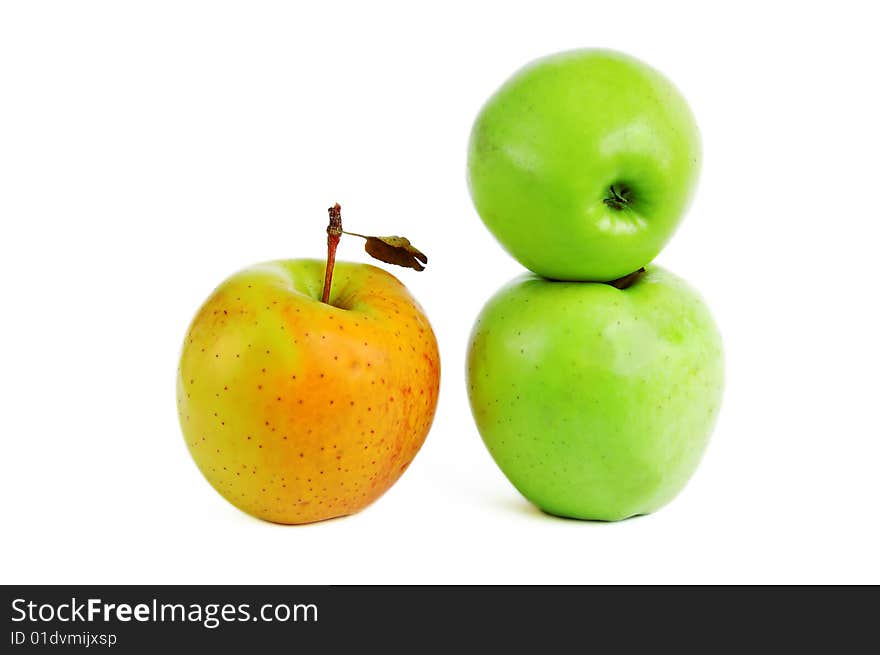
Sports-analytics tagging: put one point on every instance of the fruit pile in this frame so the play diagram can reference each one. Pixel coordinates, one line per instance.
(595, 380)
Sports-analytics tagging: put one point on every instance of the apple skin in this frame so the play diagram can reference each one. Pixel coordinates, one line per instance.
(296, 410)
(549, 144)
(596, 403)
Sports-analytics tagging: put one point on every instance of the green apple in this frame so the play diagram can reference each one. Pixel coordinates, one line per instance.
(583, 164)
(596, 402)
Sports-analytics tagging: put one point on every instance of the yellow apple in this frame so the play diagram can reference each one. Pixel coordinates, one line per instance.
(296, 410)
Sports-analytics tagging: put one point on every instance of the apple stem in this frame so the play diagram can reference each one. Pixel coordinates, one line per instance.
(334, 233)
(627, 281)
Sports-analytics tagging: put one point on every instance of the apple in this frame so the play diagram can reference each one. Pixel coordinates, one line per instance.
(298, 410)
(583, 164)
(596, 402)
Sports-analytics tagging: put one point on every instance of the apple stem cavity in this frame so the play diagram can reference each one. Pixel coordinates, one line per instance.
(627, 281)
(334, 233)
(619, 197)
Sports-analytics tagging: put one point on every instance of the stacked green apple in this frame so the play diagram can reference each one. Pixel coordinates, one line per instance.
(595, 380)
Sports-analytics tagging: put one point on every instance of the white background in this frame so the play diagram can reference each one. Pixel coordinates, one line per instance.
(150, 149)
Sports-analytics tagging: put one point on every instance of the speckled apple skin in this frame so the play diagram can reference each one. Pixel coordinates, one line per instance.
(596, 402)
(295, 410)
